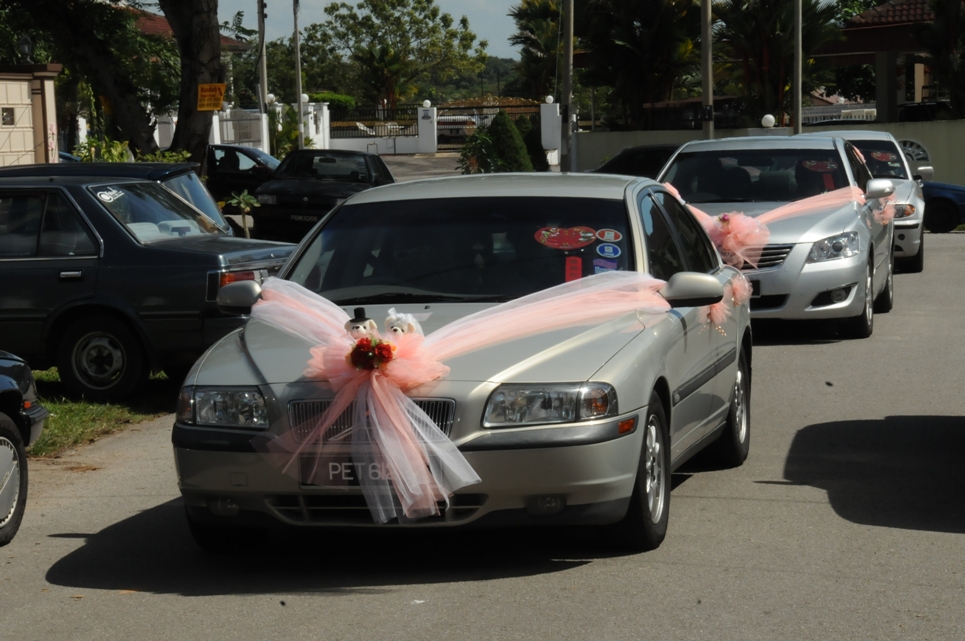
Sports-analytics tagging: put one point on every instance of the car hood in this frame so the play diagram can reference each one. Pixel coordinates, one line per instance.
(234, 249)
(568, 355)
(797, 229)
(300, 188)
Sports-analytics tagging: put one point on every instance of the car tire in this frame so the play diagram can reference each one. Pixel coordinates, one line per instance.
(13, 479)
(886, 299)
(644, 526)
(734, 444)
(916, 263)
(862, 325)
(101, 359)
(216, 539)
(941, 216)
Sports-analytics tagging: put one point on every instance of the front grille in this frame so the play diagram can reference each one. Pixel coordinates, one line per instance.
(351, 509)
(303, 416)
(771, 256)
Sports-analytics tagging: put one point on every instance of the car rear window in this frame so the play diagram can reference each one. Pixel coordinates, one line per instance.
(344, 168)
(883, 157)
(767, 175)
(494, 248)
(152, 213)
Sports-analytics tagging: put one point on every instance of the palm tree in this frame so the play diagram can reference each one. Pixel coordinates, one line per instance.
(757, 36)
(538, 35)
(384, 73)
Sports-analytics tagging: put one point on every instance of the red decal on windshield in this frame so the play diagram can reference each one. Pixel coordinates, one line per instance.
(574, 268)
(566, 237)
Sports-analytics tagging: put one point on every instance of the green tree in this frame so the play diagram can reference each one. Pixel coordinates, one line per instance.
(384, 74)
(854, 82)
(759, 35)
(944, 40)
(641, 49)
(538, 37)
(508, 145)
(532, 134)
(429, 43)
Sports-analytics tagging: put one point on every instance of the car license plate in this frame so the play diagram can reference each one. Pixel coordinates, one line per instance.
(304, 218)
(337, 470)
(755, 289)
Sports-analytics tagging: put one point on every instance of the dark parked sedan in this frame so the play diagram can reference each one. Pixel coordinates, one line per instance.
(944, 207)
(645, 161)
(233, 169)
(110, 278)
(21, 422)
(308, 184)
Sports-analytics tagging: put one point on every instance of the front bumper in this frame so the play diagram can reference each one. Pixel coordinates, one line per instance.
(34, 418)
(798, 290)
(287, 222)
(908, 236)
(587, 479)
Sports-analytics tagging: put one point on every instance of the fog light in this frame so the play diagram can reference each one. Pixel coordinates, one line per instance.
(839, 295)
(223, 507)
(547, 505)
(901, 236)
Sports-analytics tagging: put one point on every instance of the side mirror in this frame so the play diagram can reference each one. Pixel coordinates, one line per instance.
(925, 173)
(691, 289)
(879, 188)
(238, 297)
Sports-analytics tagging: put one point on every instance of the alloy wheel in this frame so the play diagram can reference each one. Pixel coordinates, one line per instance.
(654, 469)
(9, 480)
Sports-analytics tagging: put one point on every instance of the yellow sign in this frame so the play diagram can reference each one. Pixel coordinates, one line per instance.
(210, 96)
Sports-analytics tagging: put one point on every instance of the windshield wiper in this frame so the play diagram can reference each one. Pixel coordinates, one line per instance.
(426, 297)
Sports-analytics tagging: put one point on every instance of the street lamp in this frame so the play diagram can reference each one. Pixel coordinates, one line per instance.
(26, 48)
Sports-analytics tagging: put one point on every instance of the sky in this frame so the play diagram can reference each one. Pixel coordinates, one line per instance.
(487, 18)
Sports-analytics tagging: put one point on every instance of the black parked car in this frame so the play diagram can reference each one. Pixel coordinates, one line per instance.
(109, 278)
(235, 168)
(308, 184)
(645, 161)
(178, 177)
(21, 422)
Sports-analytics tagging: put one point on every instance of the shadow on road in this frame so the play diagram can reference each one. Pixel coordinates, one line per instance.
(153, 552)
(901, 472)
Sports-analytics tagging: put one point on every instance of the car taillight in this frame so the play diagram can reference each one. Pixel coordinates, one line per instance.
(234, 277)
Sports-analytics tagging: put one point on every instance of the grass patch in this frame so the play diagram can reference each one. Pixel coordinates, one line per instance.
(73, 422)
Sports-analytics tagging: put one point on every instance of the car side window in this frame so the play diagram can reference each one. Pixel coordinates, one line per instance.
(245, 163)
(860, 171)
(62, 232)
(697, 250)
(663, 255)
(20, 217)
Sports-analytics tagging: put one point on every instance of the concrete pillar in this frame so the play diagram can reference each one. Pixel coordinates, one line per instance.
(551, 125)
(428, 130)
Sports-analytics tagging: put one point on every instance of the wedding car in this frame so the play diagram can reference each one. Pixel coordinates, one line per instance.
(885, 159)
(829, 254)
(555, 345)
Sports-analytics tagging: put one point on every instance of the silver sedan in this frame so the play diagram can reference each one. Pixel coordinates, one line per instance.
(573, 423)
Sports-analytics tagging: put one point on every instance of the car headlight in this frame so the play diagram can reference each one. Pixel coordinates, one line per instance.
(904, 211)
(223, 407)
(267, 199)
(517, 405)
(841, 246)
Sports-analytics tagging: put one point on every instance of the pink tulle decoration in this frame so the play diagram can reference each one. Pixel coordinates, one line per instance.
(739, 238)
(718, 313)
(886, 213)
(389, 430)
(805, 206)
(741, 289)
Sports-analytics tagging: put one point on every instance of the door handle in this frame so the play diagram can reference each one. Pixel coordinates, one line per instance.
(72, 275)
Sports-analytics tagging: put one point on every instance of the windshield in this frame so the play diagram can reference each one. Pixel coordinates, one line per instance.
(189, 187)
(766, 175)
(152, 213)
(463, 248)
(322, 166)
(882, 157)
(266, 159)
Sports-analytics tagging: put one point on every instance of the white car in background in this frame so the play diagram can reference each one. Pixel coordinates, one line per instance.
(884, 158)
(835, 262)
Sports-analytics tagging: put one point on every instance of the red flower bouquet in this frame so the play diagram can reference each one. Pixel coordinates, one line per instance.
(371, 353)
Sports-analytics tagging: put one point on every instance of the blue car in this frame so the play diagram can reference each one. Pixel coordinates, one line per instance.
(944, 207)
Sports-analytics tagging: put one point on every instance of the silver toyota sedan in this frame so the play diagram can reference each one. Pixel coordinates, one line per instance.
(832, 258)
(578, 422)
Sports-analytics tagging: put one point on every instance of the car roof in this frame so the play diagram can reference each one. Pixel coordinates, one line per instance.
(811, 141)
(329, 152)
(556, 185)
(855, 134)
(14, 180)
(143, 170)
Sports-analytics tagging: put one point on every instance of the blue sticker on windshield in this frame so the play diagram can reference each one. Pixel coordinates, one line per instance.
(608, 250)
(601, 265)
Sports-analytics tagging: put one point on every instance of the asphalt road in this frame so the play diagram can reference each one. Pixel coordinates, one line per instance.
(846, 522)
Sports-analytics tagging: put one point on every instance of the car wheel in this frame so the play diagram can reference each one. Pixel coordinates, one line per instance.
(101, 359)
(13, 479)
(915, 264)
(645, 524)
(734, 444)
(941, 216)
(216, 539)
(862, 325)
(886, 299)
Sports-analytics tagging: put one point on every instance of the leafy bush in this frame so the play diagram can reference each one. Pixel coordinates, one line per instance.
(508, 145)
(283, 133)
(478, 155)
(103, 150)
(165, 156)
(532, 133)
(336, 101)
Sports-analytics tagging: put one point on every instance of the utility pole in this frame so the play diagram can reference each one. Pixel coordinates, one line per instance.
(567, 97)
(298, 81)
(262, 62)
(798, 55)
(707, 68)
